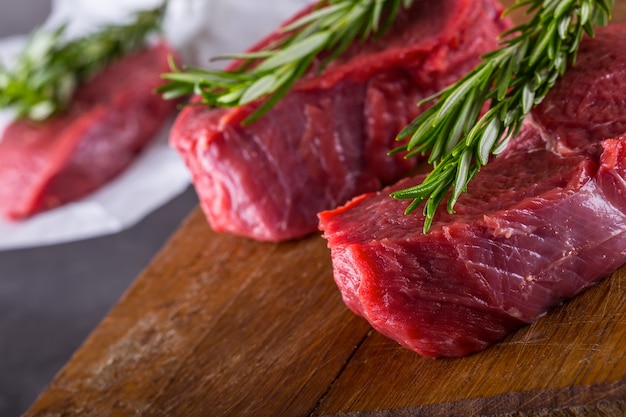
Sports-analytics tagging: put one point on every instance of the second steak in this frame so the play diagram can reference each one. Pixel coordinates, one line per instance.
(328, 139)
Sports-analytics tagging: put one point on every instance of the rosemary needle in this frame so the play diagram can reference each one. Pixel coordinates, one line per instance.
(512, 79)
(270, 73)
(49, 69)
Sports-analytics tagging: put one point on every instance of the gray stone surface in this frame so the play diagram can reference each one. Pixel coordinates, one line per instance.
(21, 16)
(52, 297)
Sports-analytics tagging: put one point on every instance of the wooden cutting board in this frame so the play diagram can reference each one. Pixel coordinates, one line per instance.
(219, 325)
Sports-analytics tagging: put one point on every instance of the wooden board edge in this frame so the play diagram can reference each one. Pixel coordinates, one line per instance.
(606, 400)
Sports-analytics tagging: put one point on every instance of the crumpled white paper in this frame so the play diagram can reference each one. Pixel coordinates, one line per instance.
(199, 29)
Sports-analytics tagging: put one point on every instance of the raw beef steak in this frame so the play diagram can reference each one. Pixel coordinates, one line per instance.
(327, 140)
(540, 224)
(110, 119)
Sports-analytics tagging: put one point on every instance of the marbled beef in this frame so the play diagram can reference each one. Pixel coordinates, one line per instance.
(110, 119)
(327, 140)
(540, 224)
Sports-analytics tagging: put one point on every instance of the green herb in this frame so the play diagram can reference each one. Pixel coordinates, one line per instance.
(49, 69)
(512, 79)
(270, 73)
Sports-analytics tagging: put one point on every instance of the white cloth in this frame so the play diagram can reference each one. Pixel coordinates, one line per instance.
(200, 29)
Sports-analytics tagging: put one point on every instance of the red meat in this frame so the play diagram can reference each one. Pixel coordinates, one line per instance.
(327, 140)
(538, 225)
(110, 120)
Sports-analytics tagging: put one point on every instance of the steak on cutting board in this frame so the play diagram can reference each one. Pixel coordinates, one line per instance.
(327, 140)
(111, 118)
(538, 225)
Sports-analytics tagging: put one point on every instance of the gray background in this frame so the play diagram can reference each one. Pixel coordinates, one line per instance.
(52, 297)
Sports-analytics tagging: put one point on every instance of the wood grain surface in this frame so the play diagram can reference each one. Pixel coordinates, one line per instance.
(219, 325)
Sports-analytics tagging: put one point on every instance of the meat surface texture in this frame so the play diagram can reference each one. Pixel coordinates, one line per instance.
(328, 139)
(538, 225)
(111, 118)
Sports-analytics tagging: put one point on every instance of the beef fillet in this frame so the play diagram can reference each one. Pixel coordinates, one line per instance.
(110, 119)
(539, 224)
(327, 140)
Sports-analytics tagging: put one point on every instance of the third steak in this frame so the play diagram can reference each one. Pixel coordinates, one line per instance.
(110, 120)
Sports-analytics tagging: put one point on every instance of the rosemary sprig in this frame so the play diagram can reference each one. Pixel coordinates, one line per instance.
(512, 79)
(48, 70)
(271, 72)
